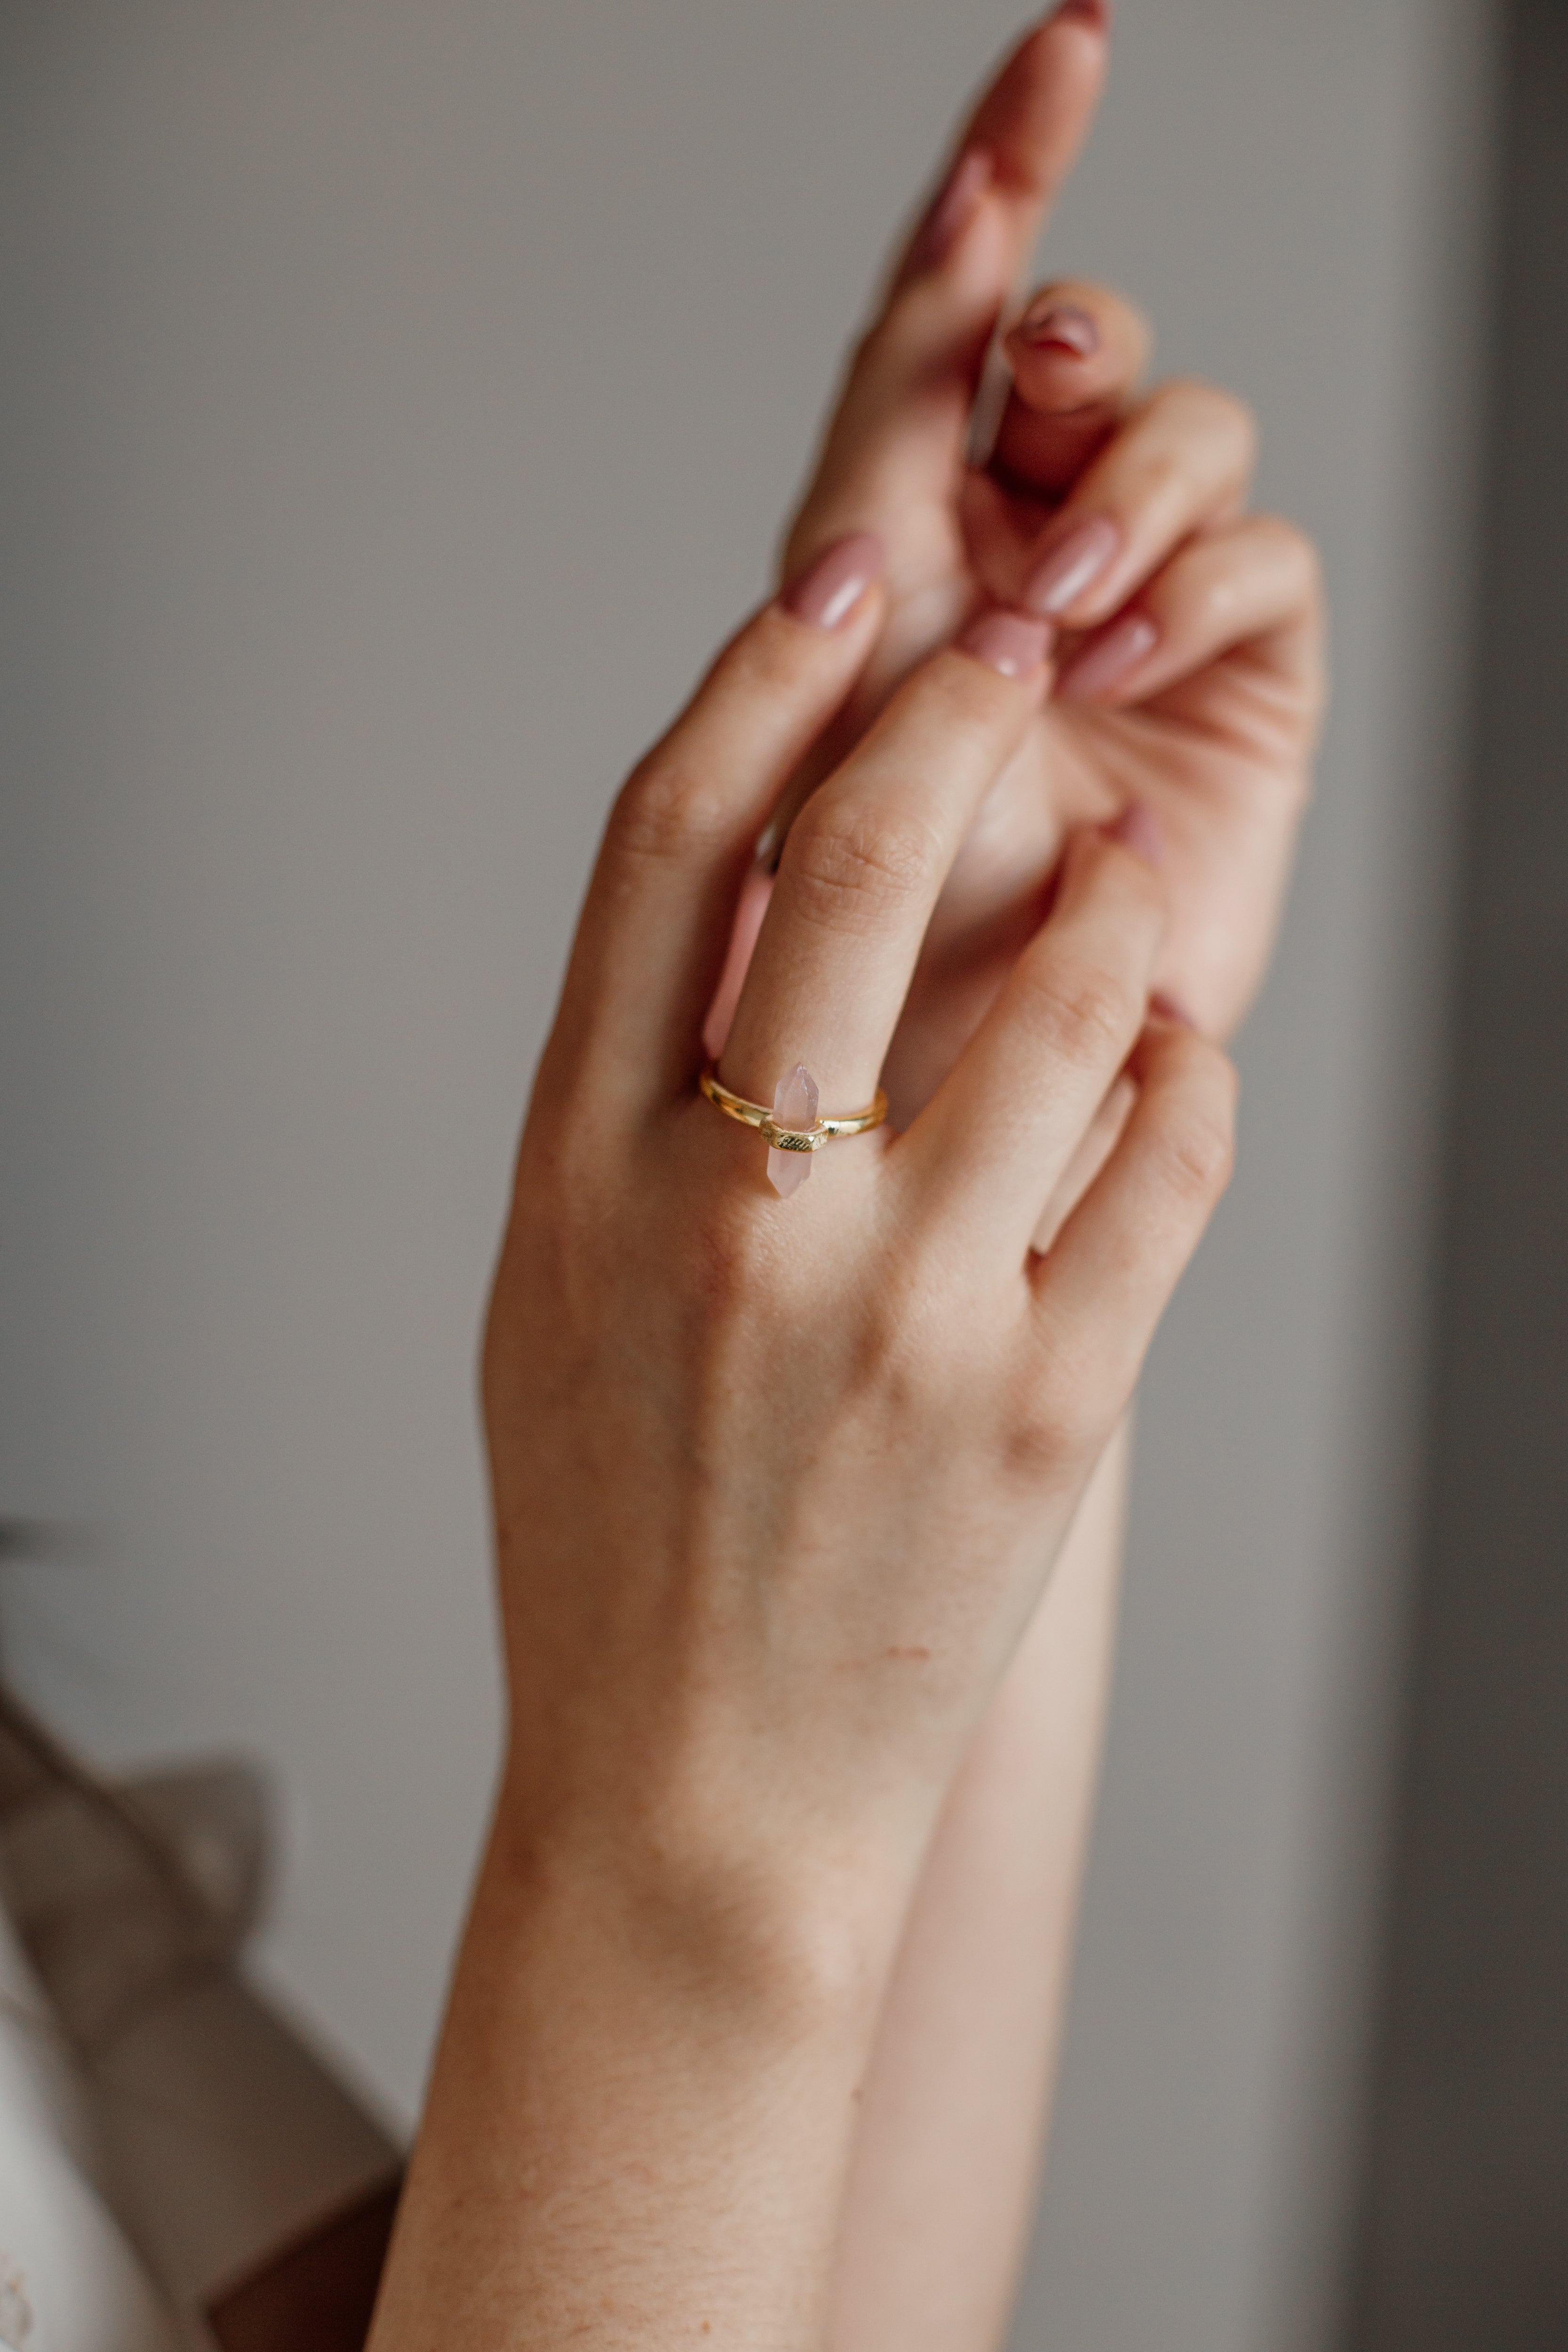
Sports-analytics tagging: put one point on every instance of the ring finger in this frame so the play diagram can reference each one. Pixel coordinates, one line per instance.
(1007, 1121)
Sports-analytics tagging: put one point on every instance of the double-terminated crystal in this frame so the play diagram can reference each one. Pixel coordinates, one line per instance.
(794, 1105)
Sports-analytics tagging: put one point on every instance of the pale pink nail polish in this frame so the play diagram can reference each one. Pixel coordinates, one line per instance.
(833, 583)
(1167, 1007)
(1010, 643)
(1074, 564)
(1094, 13)
(1137, 828)
(1108, 659)
(1048, 326)
(952, 210)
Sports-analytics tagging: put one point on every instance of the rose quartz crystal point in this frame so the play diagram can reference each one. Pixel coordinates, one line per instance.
(794, 1105)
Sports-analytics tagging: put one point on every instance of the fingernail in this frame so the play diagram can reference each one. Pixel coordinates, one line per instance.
(952, 210)
(1073, 565)
(1106, 661)
(1058, 327)
(833, 583)
(1096, 13)
(1166, 1007)
(1138, 829)
(1010, 643)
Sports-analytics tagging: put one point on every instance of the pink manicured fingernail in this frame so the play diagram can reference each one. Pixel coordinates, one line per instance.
(1058, 327)
(1106, 661)
(833, 583)
(1073, 565)
(1166, 1007)
(1137, 829)
(1086, 12)
(952, 210)
(1009, 642)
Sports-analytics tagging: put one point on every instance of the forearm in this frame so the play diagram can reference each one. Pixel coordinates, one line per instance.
(942, 2179)
(646, 2125)
(639, 2122)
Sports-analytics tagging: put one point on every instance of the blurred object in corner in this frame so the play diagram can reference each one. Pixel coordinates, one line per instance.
(258, 2189)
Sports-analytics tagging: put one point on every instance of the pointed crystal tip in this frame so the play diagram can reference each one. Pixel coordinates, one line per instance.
(794, 1105)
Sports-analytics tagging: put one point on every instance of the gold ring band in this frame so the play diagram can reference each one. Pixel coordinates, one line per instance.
(789, 1138)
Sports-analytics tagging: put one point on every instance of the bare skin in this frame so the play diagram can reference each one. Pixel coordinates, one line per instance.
(736, 1448)
(898, 2102)
(1212, 726)
(1214, 729)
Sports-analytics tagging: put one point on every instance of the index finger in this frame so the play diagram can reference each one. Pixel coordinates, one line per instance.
(900, 426)
(1029, 126)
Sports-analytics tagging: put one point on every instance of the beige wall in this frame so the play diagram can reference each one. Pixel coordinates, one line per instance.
(399, 400)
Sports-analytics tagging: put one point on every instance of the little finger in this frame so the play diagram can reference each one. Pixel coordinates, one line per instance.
(1101, 1289)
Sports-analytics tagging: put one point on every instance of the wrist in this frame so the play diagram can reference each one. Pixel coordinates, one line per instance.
(766, 1929)
(644, 2101)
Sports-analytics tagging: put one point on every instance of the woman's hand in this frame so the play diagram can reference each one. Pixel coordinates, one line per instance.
(740, 1446)
(776, 1484)
(1189, 668)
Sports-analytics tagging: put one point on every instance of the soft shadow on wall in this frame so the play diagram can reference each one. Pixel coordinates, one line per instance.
(1465, 2229)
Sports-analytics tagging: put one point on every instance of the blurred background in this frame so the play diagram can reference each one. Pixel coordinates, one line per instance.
(399, 402)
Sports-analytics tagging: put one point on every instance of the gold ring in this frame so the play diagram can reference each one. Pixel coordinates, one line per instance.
(789, 1138)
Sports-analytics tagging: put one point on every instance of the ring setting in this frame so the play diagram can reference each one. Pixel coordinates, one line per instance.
(791, 1127)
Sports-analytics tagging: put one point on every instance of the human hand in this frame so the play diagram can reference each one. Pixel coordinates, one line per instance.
(739, 1447)
(1189, 672)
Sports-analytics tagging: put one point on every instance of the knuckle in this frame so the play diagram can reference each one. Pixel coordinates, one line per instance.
(897, 1348)
(1077, 1015)
(761, 662)
(1195, 1151)
(666, 807)
(1296, 555)
(1139, 887)
(722, 1266)
(1193, 402)
(1161, 475)
(965, 702)
(892, 344)
(1060, 1420)
(1218, 601)
(849, 868)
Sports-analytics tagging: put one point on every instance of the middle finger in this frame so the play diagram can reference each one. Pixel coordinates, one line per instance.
(866, 860)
